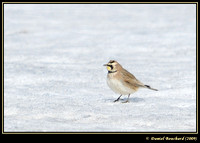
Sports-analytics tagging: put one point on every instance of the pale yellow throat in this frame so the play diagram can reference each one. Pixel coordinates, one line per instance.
(108, 68)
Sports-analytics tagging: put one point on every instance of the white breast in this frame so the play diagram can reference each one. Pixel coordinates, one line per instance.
(118, 87)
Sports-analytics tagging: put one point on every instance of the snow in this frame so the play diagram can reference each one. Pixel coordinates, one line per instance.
(54, 79)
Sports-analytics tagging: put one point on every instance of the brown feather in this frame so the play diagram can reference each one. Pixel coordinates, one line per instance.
(130, 80)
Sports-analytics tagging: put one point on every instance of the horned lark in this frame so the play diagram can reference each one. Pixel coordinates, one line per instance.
(121, 81)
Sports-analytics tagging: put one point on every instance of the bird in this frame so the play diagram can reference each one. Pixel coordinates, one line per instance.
(121, 81)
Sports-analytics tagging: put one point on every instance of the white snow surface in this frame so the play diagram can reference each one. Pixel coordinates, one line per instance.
(54, 79)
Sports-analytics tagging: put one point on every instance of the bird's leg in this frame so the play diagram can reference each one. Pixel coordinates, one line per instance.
(127, 99)
(118, 98)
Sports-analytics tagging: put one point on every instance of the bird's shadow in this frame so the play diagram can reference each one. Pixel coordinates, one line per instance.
(136, 99)
(133, 100)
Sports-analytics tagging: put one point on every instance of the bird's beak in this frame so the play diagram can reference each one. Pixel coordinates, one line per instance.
(105, 64)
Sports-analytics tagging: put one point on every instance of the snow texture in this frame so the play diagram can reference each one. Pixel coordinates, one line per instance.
(54, 79)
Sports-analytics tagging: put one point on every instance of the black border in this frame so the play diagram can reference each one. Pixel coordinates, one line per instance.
(147, 135)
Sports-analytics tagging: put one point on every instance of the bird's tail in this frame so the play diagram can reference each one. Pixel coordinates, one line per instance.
(147, 86)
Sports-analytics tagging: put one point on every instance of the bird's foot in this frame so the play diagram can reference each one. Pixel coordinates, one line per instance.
(125, 101)
(116, 100)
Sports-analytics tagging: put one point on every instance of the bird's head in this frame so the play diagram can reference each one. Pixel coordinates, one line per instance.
(112, 66)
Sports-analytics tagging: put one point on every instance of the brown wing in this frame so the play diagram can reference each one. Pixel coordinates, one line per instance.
(130, 80)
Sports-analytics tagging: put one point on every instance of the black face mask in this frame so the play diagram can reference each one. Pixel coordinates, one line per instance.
(111, 71)
(111, 67)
